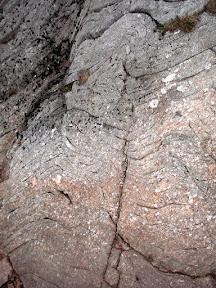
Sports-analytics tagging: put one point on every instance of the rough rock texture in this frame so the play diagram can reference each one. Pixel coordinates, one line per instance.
(108, 144)
(6, 271)
(164, 11)
(8, 276)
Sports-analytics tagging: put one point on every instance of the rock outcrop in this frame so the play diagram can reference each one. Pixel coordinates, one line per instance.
(108, 145)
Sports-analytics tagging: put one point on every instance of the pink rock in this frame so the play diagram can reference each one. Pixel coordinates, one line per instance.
(5, 271)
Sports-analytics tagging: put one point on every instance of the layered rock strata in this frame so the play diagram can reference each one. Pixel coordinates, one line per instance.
(108, 144)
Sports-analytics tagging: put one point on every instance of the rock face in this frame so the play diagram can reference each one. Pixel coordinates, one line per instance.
(108, 144)
(6, 271)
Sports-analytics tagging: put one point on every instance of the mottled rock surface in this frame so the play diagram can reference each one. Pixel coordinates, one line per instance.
(8, 276)
(107, 145)
(6, 271)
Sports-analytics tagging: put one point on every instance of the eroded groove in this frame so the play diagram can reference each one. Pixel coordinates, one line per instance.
(145, 12)
(46, 281)
(15, 277)
(43, 95)
(122, 185)
(66, 163)
(115, 222)
(81, 17)
(150, 260)
(55, 221)
(21, 245)
(65, 195)
(164, 206)
(170, 67)
(7, 38)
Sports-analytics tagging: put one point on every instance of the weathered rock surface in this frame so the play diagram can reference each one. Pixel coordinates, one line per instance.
(108, 146)
(34, 39)
(164, 11)
(6, 271)
(8, 276)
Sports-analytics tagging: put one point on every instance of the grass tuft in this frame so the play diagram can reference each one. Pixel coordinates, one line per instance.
(211, 7)
(185, 24)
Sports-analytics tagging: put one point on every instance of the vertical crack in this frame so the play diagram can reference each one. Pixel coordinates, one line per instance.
(117, 241)
(115, 222)
(122, 181)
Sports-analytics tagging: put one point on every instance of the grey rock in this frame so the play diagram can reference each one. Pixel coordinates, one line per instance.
(96, 23)
(30, 46)
(162, 148)
(108, 165)
(97, 5)
(152, 54)
(164, 11)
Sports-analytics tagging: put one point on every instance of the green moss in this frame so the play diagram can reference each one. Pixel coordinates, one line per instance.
(160, 26)
(66, 88)
(13, 92)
